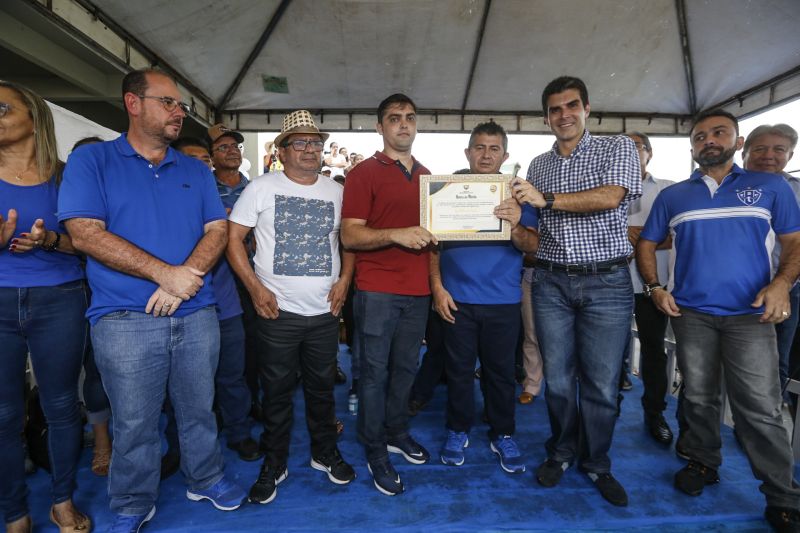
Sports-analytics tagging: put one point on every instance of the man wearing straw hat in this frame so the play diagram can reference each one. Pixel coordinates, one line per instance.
(298, 287)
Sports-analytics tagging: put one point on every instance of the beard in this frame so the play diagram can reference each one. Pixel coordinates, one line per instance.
(713, 156)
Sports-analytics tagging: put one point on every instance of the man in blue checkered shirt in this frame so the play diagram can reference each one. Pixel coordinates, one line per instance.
(582, 289)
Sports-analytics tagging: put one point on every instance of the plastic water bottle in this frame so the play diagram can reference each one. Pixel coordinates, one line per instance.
(352, 404)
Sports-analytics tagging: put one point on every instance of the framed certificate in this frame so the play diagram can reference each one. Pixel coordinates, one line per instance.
(460, 207)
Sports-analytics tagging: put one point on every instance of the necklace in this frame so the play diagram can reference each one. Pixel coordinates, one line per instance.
(19, 176)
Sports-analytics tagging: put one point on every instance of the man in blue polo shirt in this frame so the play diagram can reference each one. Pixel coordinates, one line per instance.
(476, 290)
(722, 303)
(152, 225)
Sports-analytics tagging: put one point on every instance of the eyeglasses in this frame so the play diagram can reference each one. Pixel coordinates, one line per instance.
(225, 147)
(300, 145)
(169, 103)
(4, 108)
(641, 146)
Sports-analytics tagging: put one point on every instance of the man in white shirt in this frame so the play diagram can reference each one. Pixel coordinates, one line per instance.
(298, 288)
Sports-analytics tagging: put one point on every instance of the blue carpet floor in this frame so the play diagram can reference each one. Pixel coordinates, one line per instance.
(478, 496)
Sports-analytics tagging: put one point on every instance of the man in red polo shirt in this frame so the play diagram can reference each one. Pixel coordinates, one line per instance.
(380, 221)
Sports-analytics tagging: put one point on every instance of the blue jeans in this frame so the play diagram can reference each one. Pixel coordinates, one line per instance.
(390, 329)
(98, 410)
(49, 322)
(746, 349)
(582, 322)
(140, 358)
(232, 394)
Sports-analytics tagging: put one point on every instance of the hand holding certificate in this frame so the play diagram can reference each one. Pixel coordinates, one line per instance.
(461, 207)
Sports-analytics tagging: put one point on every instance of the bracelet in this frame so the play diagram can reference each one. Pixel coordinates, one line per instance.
(53, 245)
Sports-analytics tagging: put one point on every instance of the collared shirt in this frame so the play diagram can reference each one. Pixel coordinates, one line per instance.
(229, 194)
(595, 162)
(383, 192)
(637, 216)
(794, 183)
(722, 237)
(161, 208)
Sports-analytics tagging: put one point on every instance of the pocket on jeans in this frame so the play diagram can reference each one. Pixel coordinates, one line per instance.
(116, 315)
(621, 278)
(538, 275)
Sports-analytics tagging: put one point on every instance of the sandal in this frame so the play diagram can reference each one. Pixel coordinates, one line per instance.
(83, 523)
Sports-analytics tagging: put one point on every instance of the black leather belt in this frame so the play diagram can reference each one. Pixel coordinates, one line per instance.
(600, 267)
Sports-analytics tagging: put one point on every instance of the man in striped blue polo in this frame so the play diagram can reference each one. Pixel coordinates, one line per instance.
(723, 301)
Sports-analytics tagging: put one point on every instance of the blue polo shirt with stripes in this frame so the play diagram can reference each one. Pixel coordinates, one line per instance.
(723, 237)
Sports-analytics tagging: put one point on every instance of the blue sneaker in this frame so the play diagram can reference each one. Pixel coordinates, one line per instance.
(224, 494)
(408, 448)
(385, 477)
(510, 458)
(453, 451)
(131, 523)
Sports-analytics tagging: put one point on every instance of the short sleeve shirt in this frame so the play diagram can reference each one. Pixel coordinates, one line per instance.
(722, 237)
(161, 208)
(381, 191)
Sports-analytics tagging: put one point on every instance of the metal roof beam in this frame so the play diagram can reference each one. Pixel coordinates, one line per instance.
(688, 68)
(486, 7)
(262, 41)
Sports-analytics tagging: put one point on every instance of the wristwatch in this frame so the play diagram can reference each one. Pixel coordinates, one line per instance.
(549, 198)
(650, 287)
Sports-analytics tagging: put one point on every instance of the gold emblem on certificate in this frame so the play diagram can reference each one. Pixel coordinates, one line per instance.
(460, 207)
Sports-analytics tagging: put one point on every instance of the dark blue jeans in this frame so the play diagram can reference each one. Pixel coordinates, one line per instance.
(488, 332)
(49, 322)
(432, 366)
(98, 408)
(390, 329)
(582, 322)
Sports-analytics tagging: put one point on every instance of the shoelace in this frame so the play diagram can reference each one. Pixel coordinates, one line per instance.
(455, 440)
(508, 447)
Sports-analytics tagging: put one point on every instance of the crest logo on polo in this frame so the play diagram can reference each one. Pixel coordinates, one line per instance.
(749, 196)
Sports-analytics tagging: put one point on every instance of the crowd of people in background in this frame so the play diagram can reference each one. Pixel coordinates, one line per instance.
(184, 289)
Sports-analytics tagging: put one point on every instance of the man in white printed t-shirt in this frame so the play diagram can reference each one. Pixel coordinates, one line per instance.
(298, 287)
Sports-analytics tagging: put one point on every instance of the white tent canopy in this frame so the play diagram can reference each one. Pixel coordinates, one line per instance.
(648, 64)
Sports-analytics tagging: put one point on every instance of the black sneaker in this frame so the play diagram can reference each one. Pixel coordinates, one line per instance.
(265, 489)
(692, 478)
(549, 472)
(408, 448)
(783, 519)
(626, 383)
(338, 471)
(609, 488)
(247, 449)
(385, 477)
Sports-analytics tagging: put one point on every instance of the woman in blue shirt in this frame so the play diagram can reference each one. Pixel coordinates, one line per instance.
(42, 307)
